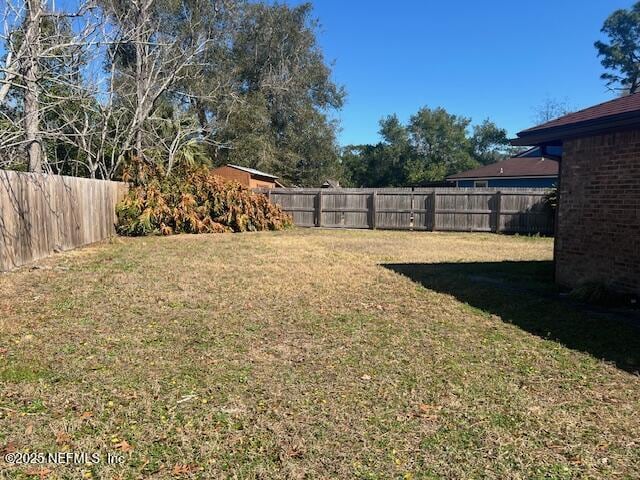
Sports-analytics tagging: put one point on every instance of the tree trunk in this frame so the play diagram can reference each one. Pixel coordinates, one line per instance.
(139, 97)
(141, 74)
(31, 95)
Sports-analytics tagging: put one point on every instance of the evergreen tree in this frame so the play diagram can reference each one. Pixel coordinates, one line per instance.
(622, 54)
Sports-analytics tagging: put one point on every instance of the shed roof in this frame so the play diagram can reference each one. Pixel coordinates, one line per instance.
(515, 167)
(252, 171)
(616, 113)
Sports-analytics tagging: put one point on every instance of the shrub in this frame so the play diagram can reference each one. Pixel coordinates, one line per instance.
(192, 200)
(551, 198)
(595, 293)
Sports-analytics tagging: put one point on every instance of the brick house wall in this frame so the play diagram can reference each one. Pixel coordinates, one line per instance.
(598, 224)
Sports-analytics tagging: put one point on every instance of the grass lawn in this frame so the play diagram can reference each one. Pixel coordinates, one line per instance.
(314, 354)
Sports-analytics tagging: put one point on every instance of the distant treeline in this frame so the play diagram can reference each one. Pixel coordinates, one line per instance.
(86, 86)
(431, 146)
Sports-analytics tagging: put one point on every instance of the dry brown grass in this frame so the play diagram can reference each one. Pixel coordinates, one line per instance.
(306, 354)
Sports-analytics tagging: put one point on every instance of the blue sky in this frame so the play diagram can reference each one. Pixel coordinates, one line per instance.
(492, 59)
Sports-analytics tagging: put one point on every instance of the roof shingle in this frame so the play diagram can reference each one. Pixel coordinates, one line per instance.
(617, 106)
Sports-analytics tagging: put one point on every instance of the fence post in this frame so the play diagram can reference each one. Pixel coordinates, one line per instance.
(319, 209)
(434, 198)
(374, 213)
(269, 195)
(498, 212)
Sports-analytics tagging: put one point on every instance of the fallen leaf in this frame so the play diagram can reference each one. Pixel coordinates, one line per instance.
(424, 408)
(10, 447)
(295, 452)
(183, 469)
(62, 438)
(40, 472)
(29, 429)
(365, 377)
(124, 446)
(428, 412)
(86, 415)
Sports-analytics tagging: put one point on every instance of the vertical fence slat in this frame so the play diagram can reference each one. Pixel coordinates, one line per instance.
(434, 199)
(374, 209)
(498, 208)
(319, 214)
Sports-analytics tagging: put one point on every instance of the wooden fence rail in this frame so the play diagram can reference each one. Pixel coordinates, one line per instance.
(512, 210)
(41, 214)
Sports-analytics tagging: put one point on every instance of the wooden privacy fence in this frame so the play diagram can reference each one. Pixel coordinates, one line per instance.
(41, 214)
(512, 210)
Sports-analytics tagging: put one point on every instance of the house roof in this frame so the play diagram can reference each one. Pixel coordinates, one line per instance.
(513, 167)
(252, 171)
(617, 113)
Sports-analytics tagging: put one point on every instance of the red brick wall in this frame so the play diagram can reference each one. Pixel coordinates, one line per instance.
(598, 228)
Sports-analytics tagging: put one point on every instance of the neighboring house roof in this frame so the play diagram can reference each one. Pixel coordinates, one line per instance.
(252, 171)
(617, 113)
(515, 167)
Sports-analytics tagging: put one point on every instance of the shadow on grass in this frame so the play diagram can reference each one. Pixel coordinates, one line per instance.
(523, 293)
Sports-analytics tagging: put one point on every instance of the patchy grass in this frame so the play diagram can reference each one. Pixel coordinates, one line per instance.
(321, 354)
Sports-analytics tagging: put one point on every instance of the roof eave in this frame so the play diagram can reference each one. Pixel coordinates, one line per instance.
(252, 171)
(557, 134)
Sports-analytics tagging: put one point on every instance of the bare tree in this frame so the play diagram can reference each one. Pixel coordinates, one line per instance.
(31, 93)
(162, 60)
(90, 79)
(44, 57)
(551, 108)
